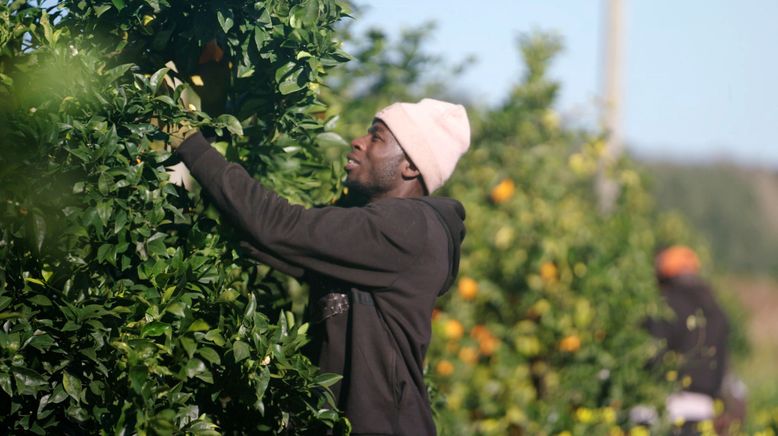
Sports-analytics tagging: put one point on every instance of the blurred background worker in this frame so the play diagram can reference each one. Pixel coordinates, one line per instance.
(697, 333)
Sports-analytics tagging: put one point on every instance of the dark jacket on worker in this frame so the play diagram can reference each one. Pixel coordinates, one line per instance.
(698, 332)
(374, 273)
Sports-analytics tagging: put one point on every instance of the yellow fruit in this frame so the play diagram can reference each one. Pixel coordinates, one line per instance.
(503, 191)
(608, 415)
(453, 329)
(541, 306)
(444, 368)
(548, 272)
(527, 345)
(468, 288)
(584, 415)
(570, 344)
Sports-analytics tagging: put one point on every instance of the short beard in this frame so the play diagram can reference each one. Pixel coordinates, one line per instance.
(385, 178)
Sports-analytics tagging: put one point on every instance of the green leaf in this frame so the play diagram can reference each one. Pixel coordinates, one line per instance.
(251, 307)
(40, 300)
(166, 99)
(231, 123)
(34, 280)
(215, 337)
(260, 37)
(305, 15)
(291, 83)
(284, 70)
(240, 350)
(210, 355)
(189, 345)
(104, 211)
(72, 385)
(28, 381)
(154, 328)
(330, 139)
(138, 376)
(194, 367)
(104, 183)
(100, 10)
(178, 309)
(119, 4)
(38, 230)
(59, 395)
(5, 383)
(198, 326)
(157, 79)
(327, 379)
(225, 22)
(116, 72)
(103, 251)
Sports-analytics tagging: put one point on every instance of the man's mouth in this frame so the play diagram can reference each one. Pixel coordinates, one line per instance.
(351, 163)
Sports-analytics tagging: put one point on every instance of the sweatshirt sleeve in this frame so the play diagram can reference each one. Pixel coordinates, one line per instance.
(367, 246)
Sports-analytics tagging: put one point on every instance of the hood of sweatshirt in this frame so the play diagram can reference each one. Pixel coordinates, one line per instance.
(452, 216)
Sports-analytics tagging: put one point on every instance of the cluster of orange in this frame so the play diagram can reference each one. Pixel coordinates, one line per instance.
(454, 331)
(487, 342)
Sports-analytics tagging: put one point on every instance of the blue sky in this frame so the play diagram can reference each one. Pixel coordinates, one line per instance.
(699, 76)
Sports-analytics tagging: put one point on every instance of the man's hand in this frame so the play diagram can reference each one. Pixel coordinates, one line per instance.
(178, 133)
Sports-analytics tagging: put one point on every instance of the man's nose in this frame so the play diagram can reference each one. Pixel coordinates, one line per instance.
(358, 143)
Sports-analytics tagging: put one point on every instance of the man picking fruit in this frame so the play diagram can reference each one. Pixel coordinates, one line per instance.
(374, 270)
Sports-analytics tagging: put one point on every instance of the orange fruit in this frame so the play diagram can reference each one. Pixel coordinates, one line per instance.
(444, 368)
(468, 355)
(503, 191)
(488, 345)
(468, 288)
(480, 331)
(211, 53)
(453, 329)
(548, 272)
(570, 344)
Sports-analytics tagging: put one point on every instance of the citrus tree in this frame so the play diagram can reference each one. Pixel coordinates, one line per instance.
(125, 305)
(543, 333)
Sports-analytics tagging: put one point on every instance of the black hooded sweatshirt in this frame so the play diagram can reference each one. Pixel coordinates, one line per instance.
(702, 345)
(374, 274)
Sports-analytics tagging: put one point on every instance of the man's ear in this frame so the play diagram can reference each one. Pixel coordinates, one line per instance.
(409, 170)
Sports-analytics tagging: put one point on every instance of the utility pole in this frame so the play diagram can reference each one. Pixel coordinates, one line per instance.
(608, 188)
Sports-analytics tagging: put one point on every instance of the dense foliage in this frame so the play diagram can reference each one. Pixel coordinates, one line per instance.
(125, 306)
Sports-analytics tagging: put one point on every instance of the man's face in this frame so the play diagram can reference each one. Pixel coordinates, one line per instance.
(375, 162)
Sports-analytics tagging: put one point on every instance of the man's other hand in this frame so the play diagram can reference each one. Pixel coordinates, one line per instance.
(178, 133)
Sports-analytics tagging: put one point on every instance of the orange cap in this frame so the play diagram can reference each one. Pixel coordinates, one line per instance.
(677, 260)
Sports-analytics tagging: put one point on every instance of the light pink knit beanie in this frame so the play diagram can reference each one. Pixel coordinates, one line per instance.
(434, 134)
